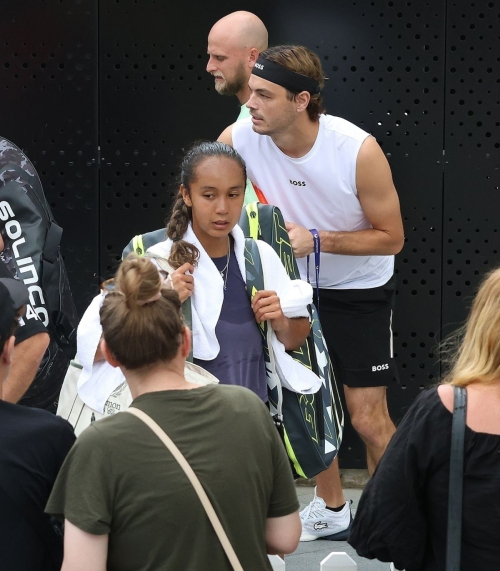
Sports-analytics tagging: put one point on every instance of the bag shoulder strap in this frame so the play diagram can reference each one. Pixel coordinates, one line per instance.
(253, 268)
(140, 243)
(455, 494)
(255, 280)
(193, 478)
(252, 213)
(187, 312)
(63, 327)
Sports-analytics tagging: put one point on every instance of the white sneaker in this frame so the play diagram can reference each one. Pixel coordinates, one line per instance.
(318, 522)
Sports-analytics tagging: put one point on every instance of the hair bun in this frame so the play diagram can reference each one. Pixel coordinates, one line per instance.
(139, 281)
(137, 336)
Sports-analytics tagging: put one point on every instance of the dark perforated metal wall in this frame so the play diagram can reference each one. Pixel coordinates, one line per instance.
(48, 82)
(129, 76)
(386, 70)
(472, 175)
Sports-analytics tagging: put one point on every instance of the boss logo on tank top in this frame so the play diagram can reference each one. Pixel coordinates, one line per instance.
(258, 65)
(380, 367)
(298, 182)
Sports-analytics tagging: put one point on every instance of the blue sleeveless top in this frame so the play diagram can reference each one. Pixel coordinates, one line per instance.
(241, 357)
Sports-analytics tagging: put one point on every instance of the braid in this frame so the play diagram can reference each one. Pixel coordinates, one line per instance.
(177, 226)
(179, 219)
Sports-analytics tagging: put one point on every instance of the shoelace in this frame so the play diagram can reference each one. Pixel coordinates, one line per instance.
(307, 510)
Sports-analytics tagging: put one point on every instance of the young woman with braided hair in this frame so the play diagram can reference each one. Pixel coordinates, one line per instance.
(206, 247)
(128, 505)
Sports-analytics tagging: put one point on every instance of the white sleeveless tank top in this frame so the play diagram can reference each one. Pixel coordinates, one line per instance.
(318, 191)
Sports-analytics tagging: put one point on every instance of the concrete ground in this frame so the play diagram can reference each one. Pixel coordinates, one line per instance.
(309, 555)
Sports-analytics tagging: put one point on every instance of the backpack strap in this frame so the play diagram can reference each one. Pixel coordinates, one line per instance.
(253, 220)
(138, 245)
(49, 256)
(249, 221)
(63, 328)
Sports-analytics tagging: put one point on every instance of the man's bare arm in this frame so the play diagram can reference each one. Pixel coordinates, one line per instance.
(293, 332)
(27, 357)
(380, 203)
(227, 136)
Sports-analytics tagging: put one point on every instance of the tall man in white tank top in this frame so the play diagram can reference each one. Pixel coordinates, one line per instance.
(334, 186)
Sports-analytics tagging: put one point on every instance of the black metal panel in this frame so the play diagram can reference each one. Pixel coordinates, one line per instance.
(156, 98)
(386, 67)
(385, 62)
(48, 81)
(472, 175)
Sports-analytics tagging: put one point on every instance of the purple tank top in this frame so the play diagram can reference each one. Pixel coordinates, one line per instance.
(241, 357)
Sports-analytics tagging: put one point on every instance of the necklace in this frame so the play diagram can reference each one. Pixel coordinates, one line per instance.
(226, 267)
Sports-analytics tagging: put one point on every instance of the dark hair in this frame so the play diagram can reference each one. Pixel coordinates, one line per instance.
(141, 332)
(181, 214)
(301, 60)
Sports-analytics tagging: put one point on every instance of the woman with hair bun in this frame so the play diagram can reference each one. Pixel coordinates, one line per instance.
(127, 504)
(402, 514)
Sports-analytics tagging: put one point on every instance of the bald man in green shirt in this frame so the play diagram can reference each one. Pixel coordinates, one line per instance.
(234, 44)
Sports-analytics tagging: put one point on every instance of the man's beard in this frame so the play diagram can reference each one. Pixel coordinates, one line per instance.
(234, 86)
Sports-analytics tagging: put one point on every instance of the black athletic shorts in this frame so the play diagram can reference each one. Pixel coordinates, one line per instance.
(357, 326)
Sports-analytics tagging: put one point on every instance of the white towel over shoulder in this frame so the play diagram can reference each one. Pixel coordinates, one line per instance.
(208, 295)
(97, 380)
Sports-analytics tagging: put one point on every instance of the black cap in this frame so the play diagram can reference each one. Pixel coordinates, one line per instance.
(13, 295)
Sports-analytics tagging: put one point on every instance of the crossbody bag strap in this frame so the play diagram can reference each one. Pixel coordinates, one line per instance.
(456, 482)
(193, 478)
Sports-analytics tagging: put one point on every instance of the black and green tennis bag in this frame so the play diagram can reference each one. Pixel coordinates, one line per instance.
(31, 252)
(312, 424)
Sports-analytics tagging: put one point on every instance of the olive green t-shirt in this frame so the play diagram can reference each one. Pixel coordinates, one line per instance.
(119, 479)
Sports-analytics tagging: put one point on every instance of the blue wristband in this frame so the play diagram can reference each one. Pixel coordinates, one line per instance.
(317, 250)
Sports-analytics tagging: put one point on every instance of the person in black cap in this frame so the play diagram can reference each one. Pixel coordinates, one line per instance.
(333, 184)
(33, 445)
